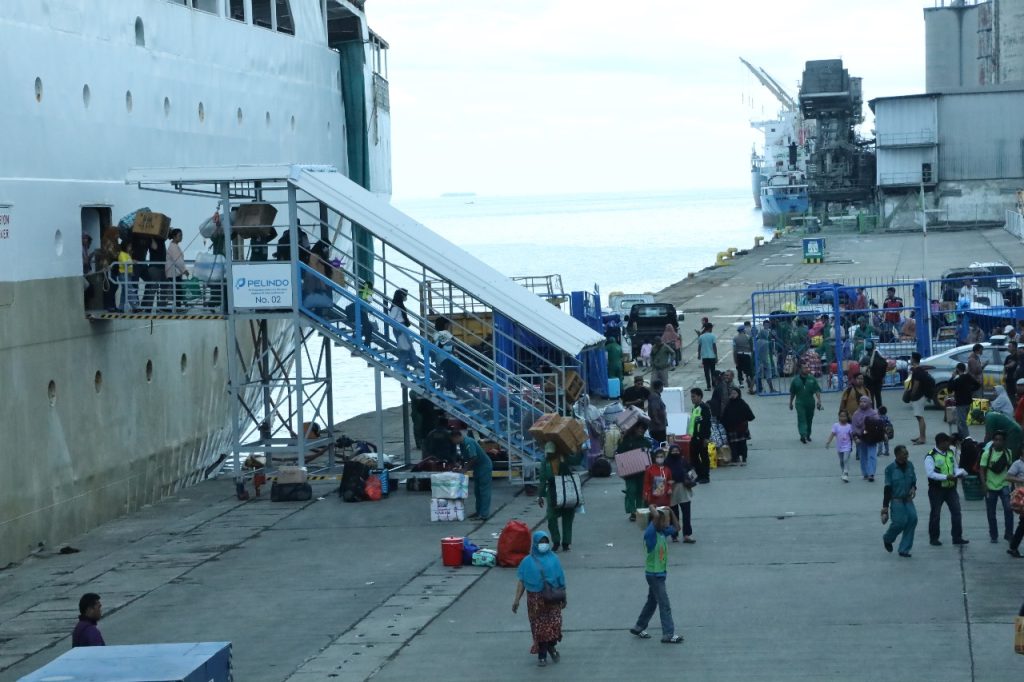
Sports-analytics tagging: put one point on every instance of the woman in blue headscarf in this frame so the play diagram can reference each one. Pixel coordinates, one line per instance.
(540, 567)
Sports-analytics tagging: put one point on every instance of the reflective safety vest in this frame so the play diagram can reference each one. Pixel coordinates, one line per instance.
(945, 464)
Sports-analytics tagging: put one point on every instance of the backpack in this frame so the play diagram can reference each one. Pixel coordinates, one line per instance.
(879, 366)
(997, 466)
(874, 430)
(601, 468)
(890, 432)
(689, 476)
(353, 481)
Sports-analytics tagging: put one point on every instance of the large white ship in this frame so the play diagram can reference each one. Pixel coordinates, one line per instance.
(101, 417)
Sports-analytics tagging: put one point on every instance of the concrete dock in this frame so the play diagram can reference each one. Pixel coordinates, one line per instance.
(788, 579)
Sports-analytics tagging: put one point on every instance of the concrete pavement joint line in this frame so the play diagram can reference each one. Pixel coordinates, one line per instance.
(422, 573)
(967, 611)
(222, 550)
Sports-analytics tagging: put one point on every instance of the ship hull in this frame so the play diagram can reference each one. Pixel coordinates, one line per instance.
(776, 210)
(101, 418)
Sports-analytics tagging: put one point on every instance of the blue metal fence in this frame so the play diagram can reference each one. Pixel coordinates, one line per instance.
(832, 326)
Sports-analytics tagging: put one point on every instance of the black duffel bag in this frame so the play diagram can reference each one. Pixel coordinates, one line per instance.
(290, 492)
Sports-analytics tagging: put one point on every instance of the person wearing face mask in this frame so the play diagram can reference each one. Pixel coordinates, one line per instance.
(656, 567)
(658, 482)
(539, 568)
(555, 464)
(898, 496)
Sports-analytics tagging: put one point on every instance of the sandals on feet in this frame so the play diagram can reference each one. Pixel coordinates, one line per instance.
(642, 634)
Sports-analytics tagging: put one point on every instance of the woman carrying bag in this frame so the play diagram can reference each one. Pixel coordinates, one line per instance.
(542, 578)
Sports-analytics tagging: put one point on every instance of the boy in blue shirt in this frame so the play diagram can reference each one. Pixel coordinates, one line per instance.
(663, 524)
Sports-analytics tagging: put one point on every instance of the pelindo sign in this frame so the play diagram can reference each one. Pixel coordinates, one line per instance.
(262, 285)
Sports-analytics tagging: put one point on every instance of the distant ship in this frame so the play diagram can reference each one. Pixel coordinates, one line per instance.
(778, 173)
(782, 196)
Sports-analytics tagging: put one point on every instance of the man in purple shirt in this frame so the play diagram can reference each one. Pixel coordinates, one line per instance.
(86, 633)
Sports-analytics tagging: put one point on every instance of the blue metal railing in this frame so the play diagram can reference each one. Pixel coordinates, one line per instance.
(490, 399)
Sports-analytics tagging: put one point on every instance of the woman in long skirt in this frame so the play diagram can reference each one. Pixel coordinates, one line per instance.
(539, 568)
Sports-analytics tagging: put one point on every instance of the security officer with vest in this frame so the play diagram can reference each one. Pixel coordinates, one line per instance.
(941, 466)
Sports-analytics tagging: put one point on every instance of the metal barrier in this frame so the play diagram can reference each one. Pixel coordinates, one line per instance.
(833, 328)
(830, 326)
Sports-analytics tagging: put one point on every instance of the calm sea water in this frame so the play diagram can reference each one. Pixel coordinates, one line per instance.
(625, 242)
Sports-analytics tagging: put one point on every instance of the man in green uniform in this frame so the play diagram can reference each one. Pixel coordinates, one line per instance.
(898, 495)
(997, 421)
(614, 351)
(634, 439)
(483, 469)
(806, 393)
(554, 465)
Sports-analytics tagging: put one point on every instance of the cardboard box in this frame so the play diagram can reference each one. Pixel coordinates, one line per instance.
(632, 462)
(151, 224)
(643, 516)
(291, 474)
(565, 432)
(253, 220)
(537, 430)
(573, 386)
(447, 510)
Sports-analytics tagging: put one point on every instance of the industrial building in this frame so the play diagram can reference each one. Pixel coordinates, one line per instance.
(957, 150)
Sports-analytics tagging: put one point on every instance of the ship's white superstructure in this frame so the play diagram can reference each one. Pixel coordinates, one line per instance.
(99, 418)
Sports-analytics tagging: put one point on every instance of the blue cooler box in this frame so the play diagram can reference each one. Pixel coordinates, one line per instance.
(614, 387)
(191, 662)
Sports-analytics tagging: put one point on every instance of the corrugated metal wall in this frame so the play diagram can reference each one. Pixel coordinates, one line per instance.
(981, 136)
(906, 130)
(951, 47)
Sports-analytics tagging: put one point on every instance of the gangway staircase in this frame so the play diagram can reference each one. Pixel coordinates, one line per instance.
(347, 255)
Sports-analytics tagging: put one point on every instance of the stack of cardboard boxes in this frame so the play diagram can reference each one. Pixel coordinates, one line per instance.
(567, 433)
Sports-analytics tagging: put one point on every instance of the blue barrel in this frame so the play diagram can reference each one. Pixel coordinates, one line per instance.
(614, 387)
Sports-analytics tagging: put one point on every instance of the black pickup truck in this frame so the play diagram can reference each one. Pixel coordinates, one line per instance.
(646, 322)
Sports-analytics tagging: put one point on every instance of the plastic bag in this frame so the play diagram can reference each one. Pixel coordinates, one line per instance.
(374, 490)
(468, 550)
(514, 543)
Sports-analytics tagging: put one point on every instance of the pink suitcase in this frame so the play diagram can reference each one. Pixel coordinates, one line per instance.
(632, 462)
(628, 418)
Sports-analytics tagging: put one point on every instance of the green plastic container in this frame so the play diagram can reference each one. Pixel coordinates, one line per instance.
(972, 488)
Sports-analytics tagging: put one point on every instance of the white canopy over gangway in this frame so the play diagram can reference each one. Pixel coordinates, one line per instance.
(407, 236)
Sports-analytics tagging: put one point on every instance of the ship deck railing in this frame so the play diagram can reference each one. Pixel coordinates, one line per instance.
(145, 292)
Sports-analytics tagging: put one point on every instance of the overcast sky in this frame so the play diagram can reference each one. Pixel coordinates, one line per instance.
(552, 96)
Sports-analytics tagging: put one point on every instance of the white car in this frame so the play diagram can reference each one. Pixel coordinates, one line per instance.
(943, 364)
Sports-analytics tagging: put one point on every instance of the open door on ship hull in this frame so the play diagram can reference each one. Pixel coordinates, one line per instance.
(95, 221)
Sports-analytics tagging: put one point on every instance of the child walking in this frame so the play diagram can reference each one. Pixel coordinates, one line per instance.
(662, 525)
(842, 432)
(658, 482)
(883, 447)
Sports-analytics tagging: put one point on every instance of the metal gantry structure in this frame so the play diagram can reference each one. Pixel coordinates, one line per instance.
(330, 283)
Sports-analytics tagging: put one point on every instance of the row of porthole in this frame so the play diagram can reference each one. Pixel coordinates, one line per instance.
(51, 389)
(129, 105)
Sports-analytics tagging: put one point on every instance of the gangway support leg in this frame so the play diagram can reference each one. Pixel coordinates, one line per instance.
(406, 449)
(380, 417)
